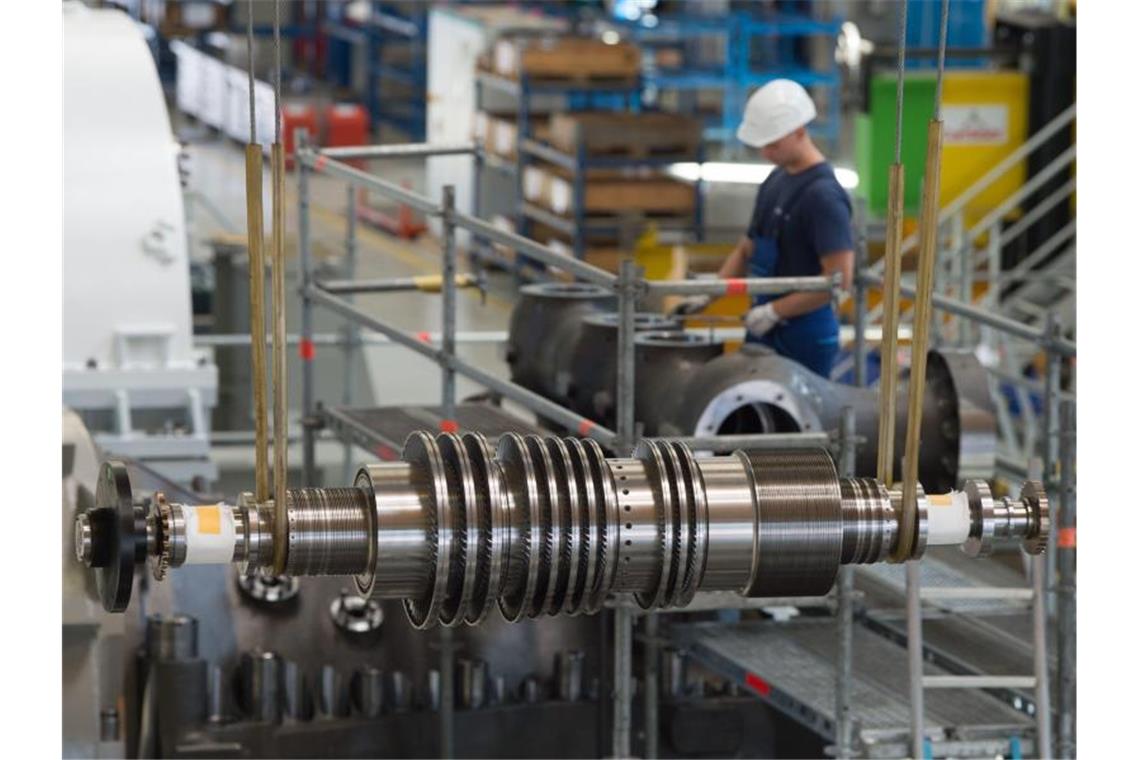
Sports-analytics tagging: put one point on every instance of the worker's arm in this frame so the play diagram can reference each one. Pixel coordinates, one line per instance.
(794, 304)
(829, 233)
(737, 262)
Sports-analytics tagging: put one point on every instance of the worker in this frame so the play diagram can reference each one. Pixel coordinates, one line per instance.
(800, 226)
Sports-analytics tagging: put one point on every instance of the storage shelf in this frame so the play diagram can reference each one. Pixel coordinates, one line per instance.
(739, 73)
(577, 226)
(575, 165)
(514, 87)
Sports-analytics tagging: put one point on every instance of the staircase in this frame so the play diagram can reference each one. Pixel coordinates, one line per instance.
(1042, 283)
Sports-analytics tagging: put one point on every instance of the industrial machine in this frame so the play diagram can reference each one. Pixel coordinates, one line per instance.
(547, 526)
(129, 366)
(536, 527)
(562, 344)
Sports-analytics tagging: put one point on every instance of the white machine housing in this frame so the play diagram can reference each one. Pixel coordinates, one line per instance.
(127, 323)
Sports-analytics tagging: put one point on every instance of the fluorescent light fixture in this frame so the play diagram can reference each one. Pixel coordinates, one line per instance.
(745, 173)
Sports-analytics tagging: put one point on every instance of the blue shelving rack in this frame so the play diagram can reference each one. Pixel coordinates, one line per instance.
(758, 47)
(965, 28)
(389, 26)
(579, 227)
(580, 96)
(399, 25)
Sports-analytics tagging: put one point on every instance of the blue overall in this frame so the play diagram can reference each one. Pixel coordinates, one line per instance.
(797, 219)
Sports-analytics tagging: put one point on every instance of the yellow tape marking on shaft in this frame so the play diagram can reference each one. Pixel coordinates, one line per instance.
(210, 520)
(940, 499)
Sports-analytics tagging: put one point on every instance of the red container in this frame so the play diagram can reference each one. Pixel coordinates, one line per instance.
(296, 116)
(346, 124)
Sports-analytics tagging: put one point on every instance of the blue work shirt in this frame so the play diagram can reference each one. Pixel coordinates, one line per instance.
(818, 222)
(796, 220)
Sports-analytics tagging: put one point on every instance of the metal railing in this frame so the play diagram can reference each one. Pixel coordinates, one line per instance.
(973, 255)
(1034, 447)
(955, 207)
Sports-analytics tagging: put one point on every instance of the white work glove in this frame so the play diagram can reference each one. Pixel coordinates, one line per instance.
(690, 305)
(761, 319)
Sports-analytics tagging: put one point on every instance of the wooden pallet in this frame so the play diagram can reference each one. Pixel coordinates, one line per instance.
(633, 135)
(649, 196)
(498, 133)
(585, 81)
(573, 59)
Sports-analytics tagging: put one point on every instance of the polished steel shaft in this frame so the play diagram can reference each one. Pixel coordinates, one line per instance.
(328, 531)
(546, 526)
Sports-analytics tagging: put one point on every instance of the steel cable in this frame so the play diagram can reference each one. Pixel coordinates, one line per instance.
(249, 58)
(901, 69)
(277, 71)
(888, 347)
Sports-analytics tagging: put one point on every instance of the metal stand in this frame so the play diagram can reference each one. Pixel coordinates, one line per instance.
(351, 330)
(623, 616)
(446, 634)
(307, 351)
(845, 613)
(652, 653)
(1067, 588)
(860, 350)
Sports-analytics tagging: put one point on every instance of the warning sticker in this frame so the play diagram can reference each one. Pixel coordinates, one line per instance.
(975, 125)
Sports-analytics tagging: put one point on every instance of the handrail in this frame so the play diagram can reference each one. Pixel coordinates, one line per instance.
(716, 286)
(1019, 153)
(409, 150)
(1061, 346)
(1054, 166)
(1030, 186)
(1058, 122)
(321, 163)
(1043, 251)
(524, 245)
(1038, 211)
(517, 393)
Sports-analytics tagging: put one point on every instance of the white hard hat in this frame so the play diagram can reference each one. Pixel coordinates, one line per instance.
(775, 110)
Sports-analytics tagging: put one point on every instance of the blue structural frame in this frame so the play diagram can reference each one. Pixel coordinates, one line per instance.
(393, 27)
(739, 72)
(965, 28)
(389, 26)
(580, 96)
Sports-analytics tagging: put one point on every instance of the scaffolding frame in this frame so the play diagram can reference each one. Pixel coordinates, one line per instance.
(628, 285)
(1057, 474)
